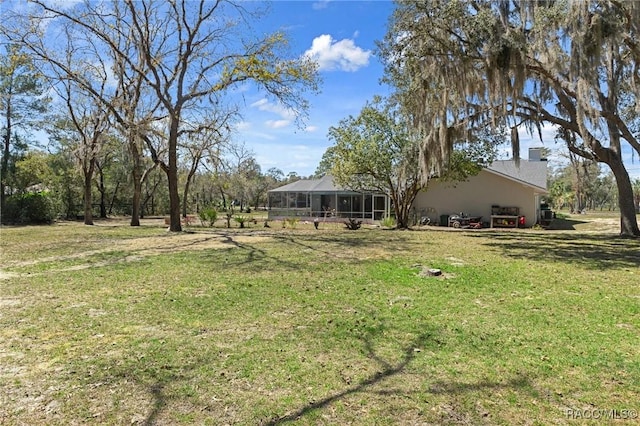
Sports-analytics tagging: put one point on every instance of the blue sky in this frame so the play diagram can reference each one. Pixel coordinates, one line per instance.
(341, 36)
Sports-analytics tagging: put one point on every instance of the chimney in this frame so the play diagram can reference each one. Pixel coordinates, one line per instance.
(535, 154)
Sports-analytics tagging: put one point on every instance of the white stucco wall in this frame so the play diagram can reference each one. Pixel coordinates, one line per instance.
(476, 196)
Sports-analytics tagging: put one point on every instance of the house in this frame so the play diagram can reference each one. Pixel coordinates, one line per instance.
(503, 194)
(313, 198)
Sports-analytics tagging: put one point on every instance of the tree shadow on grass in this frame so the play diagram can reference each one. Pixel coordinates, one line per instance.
(249, 257)
(253, 254)
(350, 244)
(345, 247)
(159, 402)
(591, 251)
(389, 369)
(455, 388)
(562, 224)
(159, 381)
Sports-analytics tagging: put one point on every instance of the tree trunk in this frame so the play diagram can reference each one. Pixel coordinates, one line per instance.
(402, 202)
(149, 197)
(184, 198)
(103, 194)
(402, 213)
(224, 199)
(136, 175)
(628, 219)
(185, 194)
(88, 177)
(6, 152)
(113, 198)
(135, 202)
(402, 218)
(172, 177)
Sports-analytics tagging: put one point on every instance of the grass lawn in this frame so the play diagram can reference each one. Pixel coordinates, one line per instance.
(266, 326)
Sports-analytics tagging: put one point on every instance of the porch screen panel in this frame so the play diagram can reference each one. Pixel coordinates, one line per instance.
(356, 206)
(316, 204)
(368, 206)
(291, 200)
(275, 200)
(344, 203)
(302, 199)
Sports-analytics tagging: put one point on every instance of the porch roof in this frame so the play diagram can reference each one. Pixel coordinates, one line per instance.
(324, 184)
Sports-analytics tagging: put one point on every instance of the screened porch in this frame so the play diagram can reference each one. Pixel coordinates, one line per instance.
(366, 206)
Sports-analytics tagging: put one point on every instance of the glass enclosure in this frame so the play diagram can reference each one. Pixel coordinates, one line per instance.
(328, 205)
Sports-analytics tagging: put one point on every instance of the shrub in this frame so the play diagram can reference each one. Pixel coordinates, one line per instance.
(208, 216)
(353, 224)
(388, 222)
(241, 220)
(292, 221)
(29, 208)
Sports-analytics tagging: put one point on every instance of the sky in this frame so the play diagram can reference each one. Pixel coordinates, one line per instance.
(341, 36)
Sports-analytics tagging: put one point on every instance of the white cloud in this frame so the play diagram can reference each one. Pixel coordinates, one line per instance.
(276, 108)
(277, 124)
(243, 125)
(341, 55)
(311, 129)
(322, 4)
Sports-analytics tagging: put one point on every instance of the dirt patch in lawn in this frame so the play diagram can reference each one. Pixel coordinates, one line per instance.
(186, 241)
(136, 249)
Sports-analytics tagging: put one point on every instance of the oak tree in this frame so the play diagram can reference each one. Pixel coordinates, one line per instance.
(188, 54)
(523, 64)
(379, 151)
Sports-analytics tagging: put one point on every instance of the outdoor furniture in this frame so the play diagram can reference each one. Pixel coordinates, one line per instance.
(504, 221)
(463, 221)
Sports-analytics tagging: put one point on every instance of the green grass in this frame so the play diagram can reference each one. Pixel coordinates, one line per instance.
(117, 325)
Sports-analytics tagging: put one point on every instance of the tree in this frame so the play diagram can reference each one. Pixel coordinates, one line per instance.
(256, 184)
(272, 179)
(636, 193)
(378, 151)
(22, 101)
(76, 57)
(32, 172)
(188, 55)
(90, 124)
(66, 186)
(241, 167)
(137, 118)
(109, 167)
(375, 152)
(581, 185)
(574, 65)
(203, 143)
